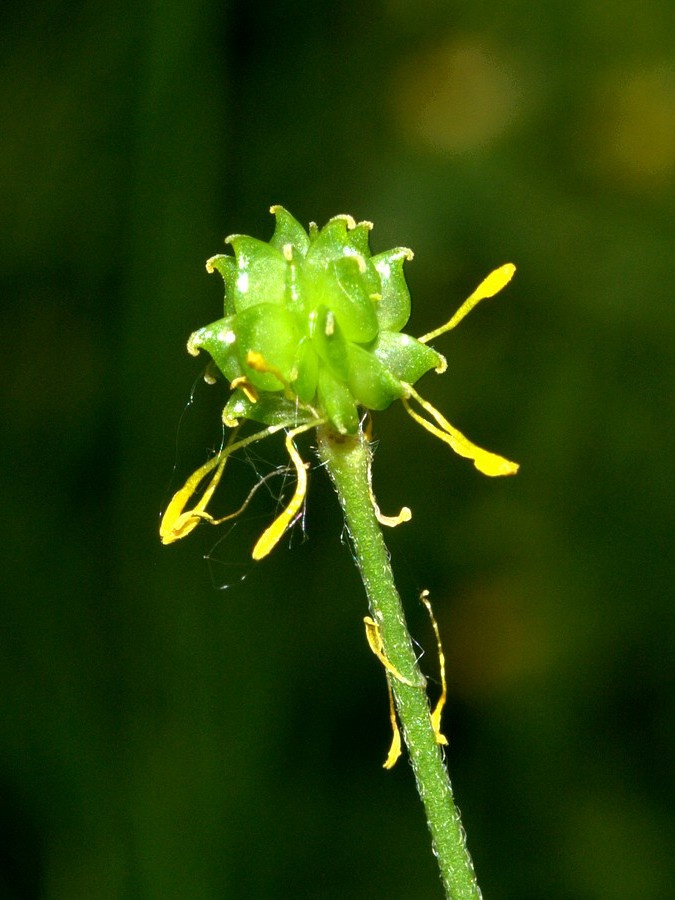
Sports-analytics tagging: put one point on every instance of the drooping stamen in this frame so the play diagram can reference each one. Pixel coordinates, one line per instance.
(177, 522)
(374, 638)
(438, 709)
(488, 463)
(395, 746)
(376, 644)
(488, 287)
(405, 514)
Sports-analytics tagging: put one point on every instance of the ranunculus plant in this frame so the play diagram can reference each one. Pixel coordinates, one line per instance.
(311, 338)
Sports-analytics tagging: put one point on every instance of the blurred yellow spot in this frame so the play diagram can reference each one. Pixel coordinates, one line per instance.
(457, 96)
(498, 639)
(631, 134)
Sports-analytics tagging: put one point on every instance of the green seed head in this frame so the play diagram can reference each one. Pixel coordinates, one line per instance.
(313, 323)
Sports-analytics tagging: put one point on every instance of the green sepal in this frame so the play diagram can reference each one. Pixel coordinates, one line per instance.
(227, 267)
(328, 244)
(405, 357)
(306, 370)
(270, 409)
(269, 330)
(358, 238)
(329, 341)
(337, 402)
(296, 290)
(393, 308)
(342, 238)
(370, 382)
(354, 305)
(260, 274)
(220, 340)
(340, 288)
(288, 231)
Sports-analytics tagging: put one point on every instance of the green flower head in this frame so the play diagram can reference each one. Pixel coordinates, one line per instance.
(313, 318)
(311, 335)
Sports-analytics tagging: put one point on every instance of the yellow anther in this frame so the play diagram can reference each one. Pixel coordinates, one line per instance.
(176, 523)
(488, 287)
(272, 535)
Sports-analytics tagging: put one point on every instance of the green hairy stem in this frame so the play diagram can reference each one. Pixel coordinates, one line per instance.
(347, 459)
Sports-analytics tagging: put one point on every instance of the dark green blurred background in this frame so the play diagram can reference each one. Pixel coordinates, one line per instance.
(163, 738)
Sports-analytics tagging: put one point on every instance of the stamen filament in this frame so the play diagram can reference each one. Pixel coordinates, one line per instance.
(207, 517)
(246, 387)
(376, 644)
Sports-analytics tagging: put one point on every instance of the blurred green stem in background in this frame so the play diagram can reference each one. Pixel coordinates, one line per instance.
(347, 458)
